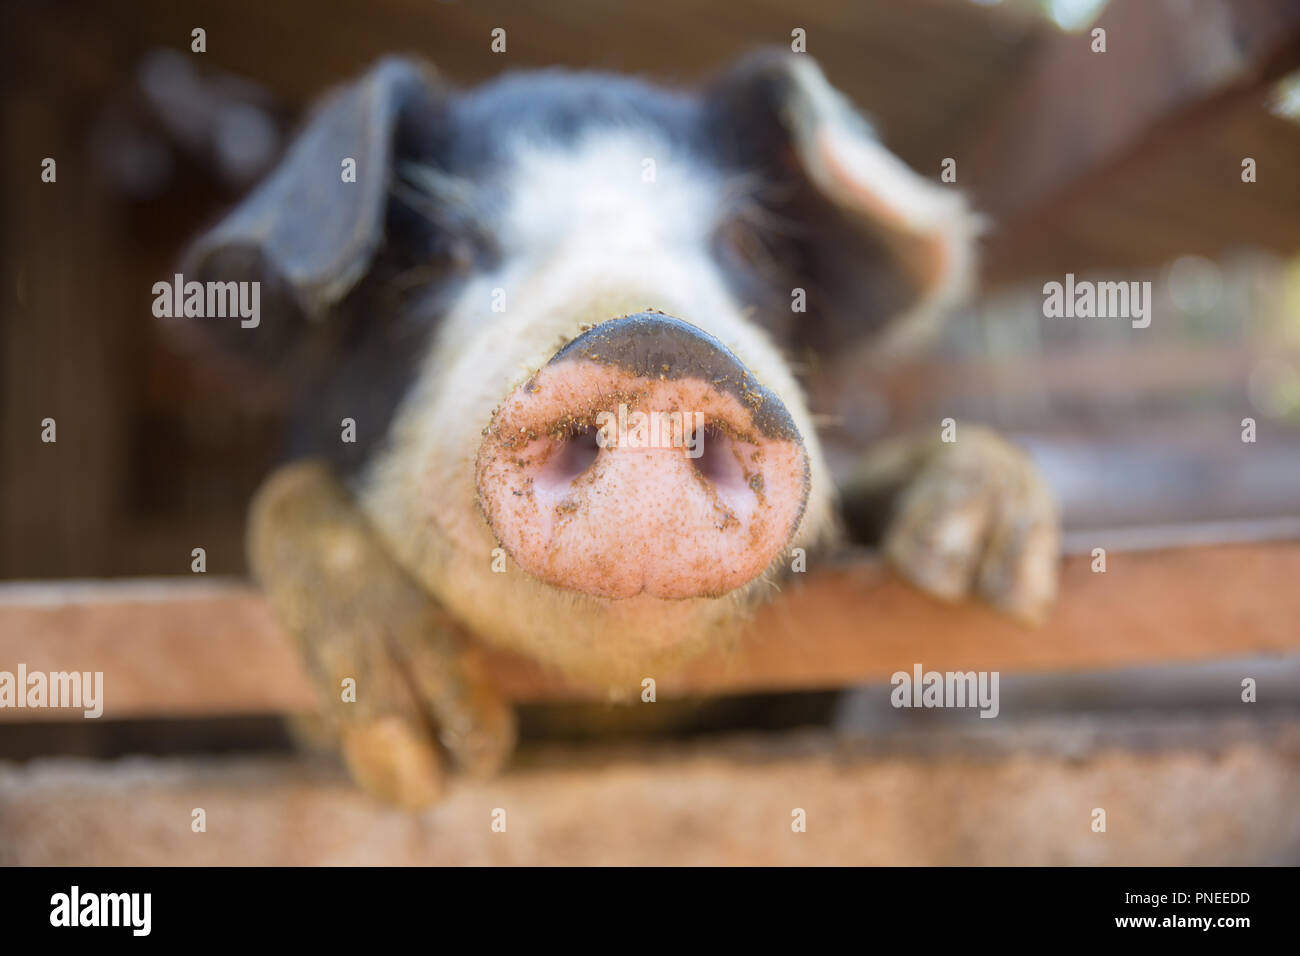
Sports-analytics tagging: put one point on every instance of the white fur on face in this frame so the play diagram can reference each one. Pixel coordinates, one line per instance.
(584, 239)
(613, 193)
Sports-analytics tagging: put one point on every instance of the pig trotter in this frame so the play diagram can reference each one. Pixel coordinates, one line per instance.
(395, 675)
(970, 517)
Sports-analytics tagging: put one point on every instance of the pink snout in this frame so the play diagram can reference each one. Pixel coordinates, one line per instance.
(643, 458)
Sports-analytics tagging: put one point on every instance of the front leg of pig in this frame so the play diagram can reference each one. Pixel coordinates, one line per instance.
(355, 614)
(972, 517)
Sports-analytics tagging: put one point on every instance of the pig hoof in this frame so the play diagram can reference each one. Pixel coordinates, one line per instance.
(397, 684)
(978, 519)
(393, 761)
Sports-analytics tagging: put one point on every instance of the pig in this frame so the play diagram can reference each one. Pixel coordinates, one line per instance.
(499, 288)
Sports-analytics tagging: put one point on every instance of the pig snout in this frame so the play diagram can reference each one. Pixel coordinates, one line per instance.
(643, 458)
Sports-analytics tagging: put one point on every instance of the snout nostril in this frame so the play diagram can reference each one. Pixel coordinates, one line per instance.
(716, 458)
(574, 456)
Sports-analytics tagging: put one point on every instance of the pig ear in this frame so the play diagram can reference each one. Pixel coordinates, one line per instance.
(894, 247)
(310, 231)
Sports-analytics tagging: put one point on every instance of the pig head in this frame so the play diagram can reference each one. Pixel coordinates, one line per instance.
(558, 309)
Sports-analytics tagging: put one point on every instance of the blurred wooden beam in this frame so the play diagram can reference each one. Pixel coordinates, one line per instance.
(172, 648)
(1070, 109)
(1201, 793)
(1041, 157)
(914, 66)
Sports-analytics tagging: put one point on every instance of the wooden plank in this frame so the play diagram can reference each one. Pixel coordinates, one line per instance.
(65, 354)
(1130, 157)
(1071, 110)
(183, 649)
(1220, 798)
(948, 51)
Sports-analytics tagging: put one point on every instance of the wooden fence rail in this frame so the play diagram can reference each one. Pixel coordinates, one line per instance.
(172, 648)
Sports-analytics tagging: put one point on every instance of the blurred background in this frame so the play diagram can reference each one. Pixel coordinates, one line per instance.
(1118, 166)
(1122, 165)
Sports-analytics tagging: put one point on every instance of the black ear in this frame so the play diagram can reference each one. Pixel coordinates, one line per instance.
(307, 233)
(885, 248)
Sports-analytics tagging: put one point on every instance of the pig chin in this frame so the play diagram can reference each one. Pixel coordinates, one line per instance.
(607, 644)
